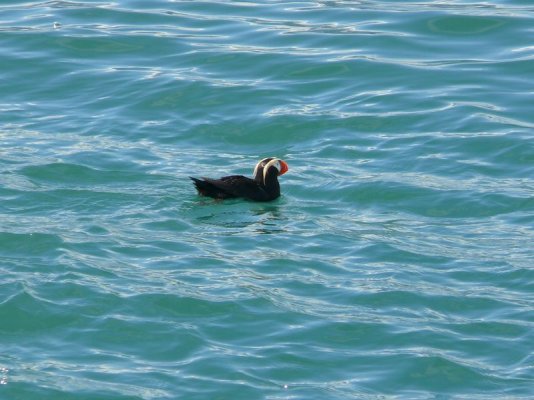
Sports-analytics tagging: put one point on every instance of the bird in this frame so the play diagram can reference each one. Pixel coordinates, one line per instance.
(263, 186)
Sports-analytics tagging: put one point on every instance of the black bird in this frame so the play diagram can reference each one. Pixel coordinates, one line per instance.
(263, 187)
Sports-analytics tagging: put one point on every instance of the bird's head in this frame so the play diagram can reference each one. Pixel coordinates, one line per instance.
(262, 167)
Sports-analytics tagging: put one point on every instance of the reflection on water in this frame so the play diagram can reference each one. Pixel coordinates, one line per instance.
(271, 221)
(239, 216)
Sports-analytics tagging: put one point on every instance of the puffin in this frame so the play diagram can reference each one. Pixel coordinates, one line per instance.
(263, 186)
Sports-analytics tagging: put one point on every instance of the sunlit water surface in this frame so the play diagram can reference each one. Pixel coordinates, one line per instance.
(397, 263)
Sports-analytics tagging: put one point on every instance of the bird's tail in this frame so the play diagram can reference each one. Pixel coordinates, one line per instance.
(204, 188)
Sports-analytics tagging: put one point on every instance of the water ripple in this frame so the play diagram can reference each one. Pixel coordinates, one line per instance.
(396, 263)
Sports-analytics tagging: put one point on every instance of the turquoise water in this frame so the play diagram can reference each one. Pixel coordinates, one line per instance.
(398, 262)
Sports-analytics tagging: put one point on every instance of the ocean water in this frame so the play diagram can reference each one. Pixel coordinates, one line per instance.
(398, 263)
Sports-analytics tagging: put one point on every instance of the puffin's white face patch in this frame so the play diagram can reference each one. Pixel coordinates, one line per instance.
(275, 162)
(257, 167)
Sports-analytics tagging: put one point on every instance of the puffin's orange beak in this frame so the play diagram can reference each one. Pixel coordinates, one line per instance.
(284, 166)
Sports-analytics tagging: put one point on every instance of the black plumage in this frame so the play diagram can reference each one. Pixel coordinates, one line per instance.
(263, 187)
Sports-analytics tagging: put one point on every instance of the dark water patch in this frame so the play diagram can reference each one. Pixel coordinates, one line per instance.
(30, 314)
(507, 277)
(464, 25)
(75, 174)
(442, 373)
(32, 244)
